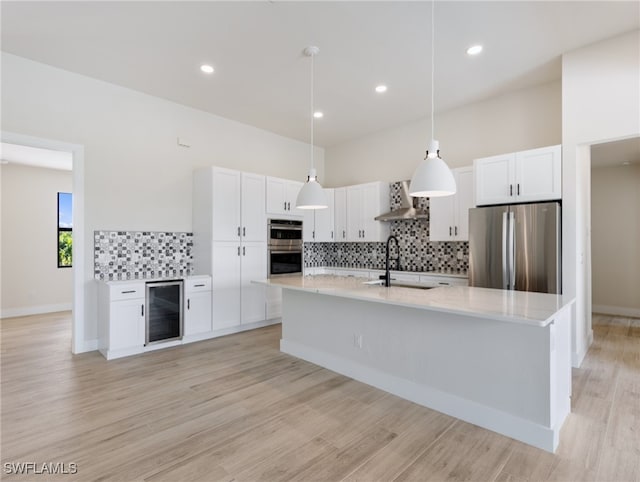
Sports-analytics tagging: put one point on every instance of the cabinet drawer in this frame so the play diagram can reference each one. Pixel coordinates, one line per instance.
(126, 291)
(192, 285)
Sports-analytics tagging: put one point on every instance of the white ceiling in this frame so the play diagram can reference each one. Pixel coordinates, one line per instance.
(611, 154)
(262, 78)
(36, 157)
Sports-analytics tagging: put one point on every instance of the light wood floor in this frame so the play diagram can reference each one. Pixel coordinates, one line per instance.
(235, 408)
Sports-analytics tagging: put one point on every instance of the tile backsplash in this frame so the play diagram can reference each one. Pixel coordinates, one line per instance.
(417, 253)
(122, 255)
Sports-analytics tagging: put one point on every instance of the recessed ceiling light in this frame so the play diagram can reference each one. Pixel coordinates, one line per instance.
(207, 69)
(474, 50)
(625, 163)
(318, 115)
(381, 88)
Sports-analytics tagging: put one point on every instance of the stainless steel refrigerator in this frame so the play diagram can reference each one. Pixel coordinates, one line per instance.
(516, 247)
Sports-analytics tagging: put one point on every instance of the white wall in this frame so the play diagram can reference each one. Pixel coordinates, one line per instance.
(514, 121)
(136, 177)
(615, 237)
(600, 102)
(31, 280)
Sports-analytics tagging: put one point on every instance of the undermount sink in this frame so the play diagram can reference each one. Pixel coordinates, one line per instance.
(400, 284)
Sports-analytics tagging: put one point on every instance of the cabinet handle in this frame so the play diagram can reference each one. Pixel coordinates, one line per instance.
(238, 230)
(199, 286)
(518, 189)
(128, 291)
(285, 206)
(188, 304)
(244, 231)
(443, 284)
(289, 206)
(331, 234)
(449, 230)
(344, 234)
(363, 235)
(455, 230)
(141, 310)
(510, 189)
(238, 250)
(313, 234)
(244, 251)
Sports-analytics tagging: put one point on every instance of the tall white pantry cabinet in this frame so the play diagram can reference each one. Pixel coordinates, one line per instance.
(230, 243)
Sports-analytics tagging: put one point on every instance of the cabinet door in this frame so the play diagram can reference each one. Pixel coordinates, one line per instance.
(309, 225)
(324, 225)
(254, 227)
(254, 267)
(494, 179)
(354, 213)
(126, 324)
(225, 283)
(340, 213)
(463, 202)
(539, 174)
(226, 204)
(441, 217)
(276, 191)
(291, 194)
(375, 201)
(197, 313)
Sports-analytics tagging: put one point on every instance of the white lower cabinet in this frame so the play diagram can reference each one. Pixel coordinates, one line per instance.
(121, 321)
(235, 299)
(197, 306)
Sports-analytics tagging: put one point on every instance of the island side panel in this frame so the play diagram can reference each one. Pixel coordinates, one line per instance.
(494, 374)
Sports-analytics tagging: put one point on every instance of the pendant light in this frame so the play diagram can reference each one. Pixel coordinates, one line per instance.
(433, 177)
(311, 195)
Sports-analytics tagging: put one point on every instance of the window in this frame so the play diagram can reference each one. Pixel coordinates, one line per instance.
(65, 230)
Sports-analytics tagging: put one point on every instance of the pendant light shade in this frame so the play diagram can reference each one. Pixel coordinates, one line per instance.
(311, 195)
(432, 178)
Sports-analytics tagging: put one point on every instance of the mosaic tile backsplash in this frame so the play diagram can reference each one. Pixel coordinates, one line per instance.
(417, 253)
(122, 255)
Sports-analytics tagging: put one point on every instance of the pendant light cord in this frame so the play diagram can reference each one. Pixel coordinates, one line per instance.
(312, 75)
(433, 39)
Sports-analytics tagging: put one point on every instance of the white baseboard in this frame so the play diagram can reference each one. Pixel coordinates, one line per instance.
(616, 310)
(490, 418)
(34, 310)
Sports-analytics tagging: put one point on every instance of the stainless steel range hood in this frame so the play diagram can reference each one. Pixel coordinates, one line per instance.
(406, 209)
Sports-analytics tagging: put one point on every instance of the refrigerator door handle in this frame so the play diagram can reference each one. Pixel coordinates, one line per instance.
(505, 257)
(512, 250)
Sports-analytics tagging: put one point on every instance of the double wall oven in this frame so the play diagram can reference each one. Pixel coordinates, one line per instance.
(285, 247)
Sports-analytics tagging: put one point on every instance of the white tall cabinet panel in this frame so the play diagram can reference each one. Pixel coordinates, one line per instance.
(232, 263)
(197, 305)
(340, 213)
(355, 197)
(254, 224)
(449, 215)
(225, 285)
(226, 193)
(127, 324)
(253, 266)
(526, 176)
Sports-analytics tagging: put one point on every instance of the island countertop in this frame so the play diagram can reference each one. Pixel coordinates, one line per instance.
(537, 309)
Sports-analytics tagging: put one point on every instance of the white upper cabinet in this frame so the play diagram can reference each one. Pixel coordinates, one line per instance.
(526, 176)
(229, 205)
(364, 203)
(281, 197)
(254, 224)
(318, 224)
(340, 214)
(449, 215)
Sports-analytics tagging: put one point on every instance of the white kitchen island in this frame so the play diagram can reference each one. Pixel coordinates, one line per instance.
(497, 359)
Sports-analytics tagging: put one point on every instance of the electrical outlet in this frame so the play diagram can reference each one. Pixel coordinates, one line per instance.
(357, 340)
(460, 255)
